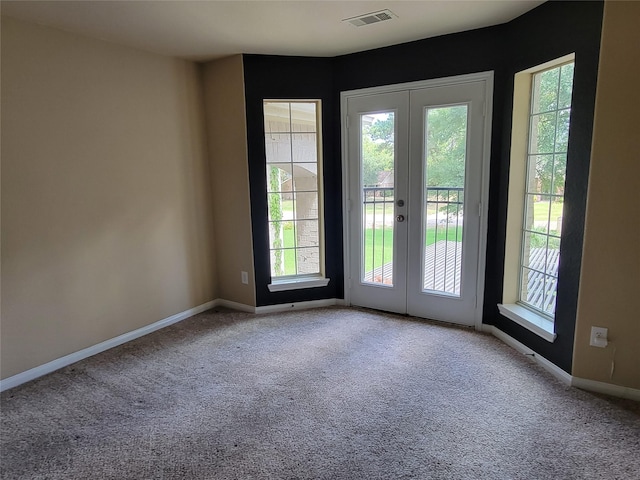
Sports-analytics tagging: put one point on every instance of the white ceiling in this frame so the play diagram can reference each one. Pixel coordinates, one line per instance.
(203, 30)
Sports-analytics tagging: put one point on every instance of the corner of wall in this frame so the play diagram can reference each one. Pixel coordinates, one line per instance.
(223, 82)
(609, 279)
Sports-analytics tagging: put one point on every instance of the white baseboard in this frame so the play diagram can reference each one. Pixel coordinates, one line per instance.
(283, 307)
(221, 302)
(61, 362)
(606, 388)
(582, 383)
(32, 374)
(544, 363)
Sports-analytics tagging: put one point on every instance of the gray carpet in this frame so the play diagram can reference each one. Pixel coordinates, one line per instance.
(332, 393)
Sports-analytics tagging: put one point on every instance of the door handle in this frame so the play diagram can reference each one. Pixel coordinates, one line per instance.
(400, 218)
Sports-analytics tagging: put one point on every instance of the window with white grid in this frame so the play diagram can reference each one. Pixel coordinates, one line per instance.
(294, 167)
(546, 160)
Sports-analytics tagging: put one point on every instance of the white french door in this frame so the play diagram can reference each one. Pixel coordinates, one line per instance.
(415, 174)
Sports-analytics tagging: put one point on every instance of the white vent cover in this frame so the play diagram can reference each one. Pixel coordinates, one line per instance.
(369, 18)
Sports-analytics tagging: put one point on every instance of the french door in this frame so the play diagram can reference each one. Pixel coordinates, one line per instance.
(415, 169)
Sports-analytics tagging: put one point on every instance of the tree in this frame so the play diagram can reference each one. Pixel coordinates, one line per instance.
(377, 150)
(446, 146)
(550, 128)
(383, 130)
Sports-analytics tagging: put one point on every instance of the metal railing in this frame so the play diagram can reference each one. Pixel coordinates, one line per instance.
(377, 234)
(444, 209)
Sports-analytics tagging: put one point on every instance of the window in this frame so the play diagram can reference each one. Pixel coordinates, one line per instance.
(294, 167)
(540, 133)
(544, 187)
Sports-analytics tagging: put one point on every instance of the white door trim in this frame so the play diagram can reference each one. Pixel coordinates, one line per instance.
(347, 203)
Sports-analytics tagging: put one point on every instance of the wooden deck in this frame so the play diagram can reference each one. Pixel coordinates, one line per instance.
(536, 285)
(443, 264)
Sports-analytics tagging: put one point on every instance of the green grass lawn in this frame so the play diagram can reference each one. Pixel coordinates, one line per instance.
(541, 209)
(287, 205)
(383, 254)
(388, 209)
(375, 255)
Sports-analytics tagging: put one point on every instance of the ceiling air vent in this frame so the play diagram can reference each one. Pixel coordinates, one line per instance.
(369, 18)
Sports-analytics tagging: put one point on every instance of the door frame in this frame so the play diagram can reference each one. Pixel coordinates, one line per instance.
(347, 203)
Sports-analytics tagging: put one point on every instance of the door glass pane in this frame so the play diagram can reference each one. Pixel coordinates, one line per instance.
(377, 185)
(445, 138)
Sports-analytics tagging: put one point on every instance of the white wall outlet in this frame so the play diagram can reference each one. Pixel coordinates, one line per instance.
(599, 337)
(244, 277)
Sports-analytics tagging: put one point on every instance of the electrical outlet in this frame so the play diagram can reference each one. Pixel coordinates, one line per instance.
(244, 277)
(599, 337)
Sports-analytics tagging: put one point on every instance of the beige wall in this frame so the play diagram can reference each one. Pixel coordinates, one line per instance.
(227, 142)
(106, 208)
(610, 281)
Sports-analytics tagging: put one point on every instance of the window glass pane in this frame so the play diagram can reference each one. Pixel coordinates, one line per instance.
(303, 117)
(275, 235)
(283, 261)
(535, 244)
(308, 260)
(274, 204)
(277, 147)
(555, 217)
(275, 240)
(559, 173)
(552, 257)
(541, 174)
(562, 133)
(278, 177)
(445, 138)
(551, 288)
(537, 213)
(305, 147)
(546, 172)
(566, 86)
(276, 262)
(377, 163)
(276, 117)
(307, 233)
(543, 133)
(290, 262)
(289, 234)
(305, 176)
(533, 288)
(306, 206)
(545, 93)
(291, 148)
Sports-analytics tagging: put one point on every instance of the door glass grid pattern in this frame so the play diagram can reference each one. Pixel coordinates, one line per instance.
(445, 159)
(544, 188)
(377, 189)
(291, 147)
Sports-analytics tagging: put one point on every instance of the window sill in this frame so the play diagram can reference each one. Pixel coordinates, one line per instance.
(530, 320)
(297, 283)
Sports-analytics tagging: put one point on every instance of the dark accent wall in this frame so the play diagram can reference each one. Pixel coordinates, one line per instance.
(273, 77)
(552, 30)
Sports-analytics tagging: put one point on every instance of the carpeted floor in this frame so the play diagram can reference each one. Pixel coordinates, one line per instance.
(333, 393)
